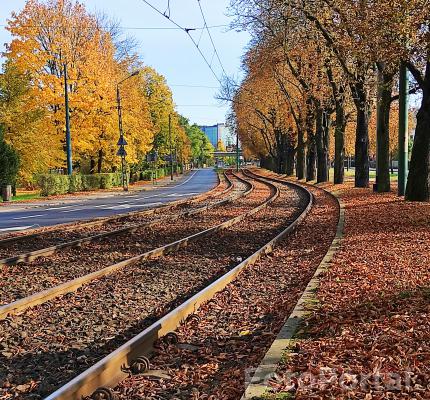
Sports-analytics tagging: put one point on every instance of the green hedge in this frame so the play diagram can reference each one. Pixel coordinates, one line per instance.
(75, 183)
(52, 184)
(159, 173)
(146, 175)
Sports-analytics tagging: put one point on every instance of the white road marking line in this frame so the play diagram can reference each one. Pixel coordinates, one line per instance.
(58, 208)
(132, 206)
(29, 216)
(75, 209)
(180, 195)
(15, 228)
(119, 207)
(183, 183)
(148, 205)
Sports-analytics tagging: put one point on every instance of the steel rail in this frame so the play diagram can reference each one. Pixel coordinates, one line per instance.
(32, 255)
(68, 226)
(73, 284)
(274, 354)
(109, 371)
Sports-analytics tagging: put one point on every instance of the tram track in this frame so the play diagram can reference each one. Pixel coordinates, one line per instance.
(128, 224)
(30, 245)
(31, 283)
(66, 309)
(217, 349)
(145, 291)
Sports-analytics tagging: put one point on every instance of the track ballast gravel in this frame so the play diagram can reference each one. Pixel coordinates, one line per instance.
(27, 278)
(51, 236)
(238, 325)
(46, 346)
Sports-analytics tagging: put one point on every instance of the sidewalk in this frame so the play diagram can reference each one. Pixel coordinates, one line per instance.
(91, 195)
(368, 335)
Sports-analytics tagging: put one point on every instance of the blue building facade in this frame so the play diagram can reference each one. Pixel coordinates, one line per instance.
(218, 132)
(212, 133)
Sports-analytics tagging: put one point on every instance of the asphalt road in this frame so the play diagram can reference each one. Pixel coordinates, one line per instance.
(15, 219)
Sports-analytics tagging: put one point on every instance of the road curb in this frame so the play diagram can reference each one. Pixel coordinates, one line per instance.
(258, 385)
(35, 229)
(21, 206)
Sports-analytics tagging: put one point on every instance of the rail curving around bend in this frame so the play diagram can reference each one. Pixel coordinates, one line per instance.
(72, 285)
(112, 369)
(37, 232)
(32, 255)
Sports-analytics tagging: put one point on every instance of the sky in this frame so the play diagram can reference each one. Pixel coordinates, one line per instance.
(170, 51)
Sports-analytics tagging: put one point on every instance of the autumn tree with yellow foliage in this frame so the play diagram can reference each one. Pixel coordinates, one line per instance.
(345, 53)
(46, 36)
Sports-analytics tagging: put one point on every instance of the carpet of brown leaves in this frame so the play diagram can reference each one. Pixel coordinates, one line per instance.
(27, 278)
(46, 346)
(233, 330)
(369, 335)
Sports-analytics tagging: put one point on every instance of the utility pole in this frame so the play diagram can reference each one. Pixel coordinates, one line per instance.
(171, 147)
(121, 142)
(403, 130)
(176, 157)
(68, 136)
(237, 152)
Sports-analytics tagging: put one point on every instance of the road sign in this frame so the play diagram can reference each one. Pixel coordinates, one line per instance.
(167, 158)
(121, 152)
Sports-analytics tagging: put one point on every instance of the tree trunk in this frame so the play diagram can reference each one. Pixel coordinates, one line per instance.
(300, 167)
(269, 163)
(362, 148)
(321, 139)
(92, 165)
(100, 161)
(418, 186)
(280, 163)
(339, 144)
(311, 158)
(290, 158)
(361, 136)
(385, 88)
(326, 142)
(311, 150)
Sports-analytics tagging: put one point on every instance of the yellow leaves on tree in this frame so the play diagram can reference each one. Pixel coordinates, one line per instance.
(47, 35)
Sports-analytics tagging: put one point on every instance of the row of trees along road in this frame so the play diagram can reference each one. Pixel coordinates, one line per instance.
(46, 35)
(323, 68)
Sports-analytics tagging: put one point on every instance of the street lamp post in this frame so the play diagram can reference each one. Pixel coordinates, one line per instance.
(176, 156)
(68, 136)
(237, 152)
(122, 142)
(403, 131)
(171, 147)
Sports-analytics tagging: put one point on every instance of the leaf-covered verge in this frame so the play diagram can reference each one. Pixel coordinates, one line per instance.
(369, 336)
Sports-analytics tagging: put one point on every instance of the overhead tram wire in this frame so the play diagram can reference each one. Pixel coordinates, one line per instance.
(205, 25)
(138, 28)
(187, 31)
